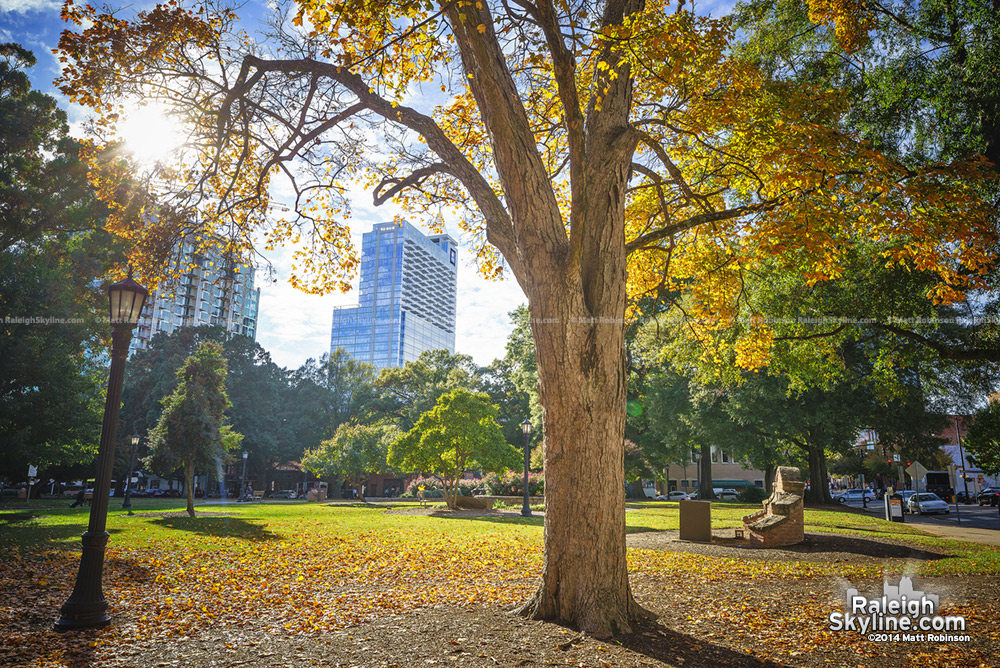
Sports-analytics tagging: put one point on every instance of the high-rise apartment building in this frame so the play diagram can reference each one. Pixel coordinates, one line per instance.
(407, 297)
(213, 292)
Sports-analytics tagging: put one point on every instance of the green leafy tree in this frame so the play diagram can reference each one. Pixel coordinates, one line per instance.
(269, 405)
(329, 392)
(407, 392)
(459, 433)
(191, 431)
(54, 258)
(923, 75)
(355, 452)
(982, 442)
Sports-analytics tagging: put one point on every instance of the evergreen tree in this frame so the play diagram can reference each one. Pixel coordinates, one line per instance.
(191, 431)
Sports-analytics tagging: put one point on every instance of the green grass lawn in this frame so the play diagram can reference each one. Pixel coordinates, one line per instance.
(310, 568)
(54, 527)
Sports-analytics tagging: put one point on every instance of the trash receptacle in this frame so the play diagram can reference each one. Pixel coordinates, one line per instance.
(894, 507)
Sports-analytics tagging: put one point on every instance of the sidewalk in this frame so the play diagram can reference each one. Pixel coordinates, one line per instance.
(935, 524)
(971, 534)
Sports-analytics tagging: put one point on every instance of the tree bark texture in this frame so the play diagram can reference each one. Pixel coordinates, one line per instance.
(818, 478)
(705, 490)
(582, 386)
(189, 487)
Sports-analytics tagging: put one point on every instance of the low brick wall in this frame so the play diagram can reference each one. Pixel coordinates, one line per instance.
(508, 500)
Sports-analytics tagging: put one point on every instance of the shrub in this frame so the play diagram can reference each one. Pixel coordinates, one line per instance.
(752, 495)
(512, 484)
(434, 489)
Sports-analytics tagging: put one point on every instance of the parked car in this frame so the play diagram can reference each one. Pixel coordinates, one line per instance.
(675, 495)
(989, 496)
(853, 495)
(285, 494)
(927, 502)
(725, 494)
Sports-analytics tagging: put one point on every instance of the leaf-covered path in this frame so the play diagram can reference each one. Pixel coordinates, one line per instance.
(298, 585)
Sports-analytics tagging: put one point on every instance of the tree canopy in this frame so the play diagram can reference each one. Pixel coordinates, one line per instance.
(982, 442)
(459, 433)
(355, 452)
(191, 431)
(54, 256)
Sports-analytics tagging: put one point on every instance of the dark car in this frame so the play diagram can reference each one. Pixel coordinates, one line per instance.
(989, 496)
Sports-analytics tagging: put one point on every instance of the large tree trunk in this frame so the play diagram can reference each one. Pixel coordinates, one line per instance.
(189, 487)
(769, 474)
(575, 285)
(581, 370)
(706, 491)
(819, 487)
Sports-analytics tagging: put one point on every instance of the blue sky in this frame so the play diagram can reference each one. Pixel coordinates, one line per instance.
(293, 326)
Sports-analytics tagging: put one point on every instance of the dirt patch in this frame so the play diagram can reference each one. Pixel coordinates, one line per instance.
(817, 547)
(758, 624)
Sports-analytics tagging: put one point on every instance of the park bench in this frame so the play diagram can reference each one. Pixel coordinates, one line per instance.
(258, 495)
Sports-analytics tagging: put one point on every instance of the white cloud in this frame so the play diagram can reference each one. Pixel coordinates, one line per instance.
(294, 326)
(28, 6)
(482, 324)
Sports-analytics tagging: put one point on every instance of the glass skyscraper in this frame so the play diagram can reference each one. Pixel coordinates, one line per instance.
(407, 297)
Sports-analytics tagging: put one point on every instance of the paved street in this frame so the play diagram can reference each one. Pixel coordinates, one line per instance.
(980, 524)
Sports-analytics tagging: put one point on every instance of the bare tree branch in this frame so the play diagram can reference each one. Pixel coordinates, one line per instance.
(398, 184)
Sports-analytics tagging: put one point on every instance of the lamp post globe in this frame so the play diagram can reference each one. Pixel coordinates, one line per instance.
(86, 606)
(526, 430)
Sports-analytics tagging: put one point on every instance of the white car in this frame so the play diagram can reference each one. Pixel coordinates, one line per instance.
(675, 495)
(925, 502)
(853, 495)
(725, 494)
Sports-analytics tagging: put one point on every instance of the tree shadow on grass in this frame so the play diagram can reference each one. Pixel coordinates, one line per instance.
(24, 531)
(218, 527)
(861, 546)
(640, 529)
(674, 649)
(815, 547)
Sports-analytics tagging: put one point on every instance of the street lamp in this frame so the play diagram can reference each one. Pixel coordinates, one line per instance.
(127, 503)
(526, 430)
(243, 478)
(961, 453)
(86, 606)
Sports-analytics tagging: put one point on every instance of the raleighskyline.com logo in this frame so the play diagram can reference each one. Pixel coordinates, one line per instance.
(901, 614)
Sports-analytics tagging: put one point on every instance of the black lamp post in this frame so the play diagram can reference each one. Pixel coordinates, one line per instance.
(243, 478)
(526, 430)
(86, 606)
(961, 453)
(127, 503)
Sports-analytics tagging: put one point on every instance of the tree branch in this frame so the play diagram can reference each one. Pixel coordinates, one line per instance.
(945, 351)
(398, 184)
(499, 227)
